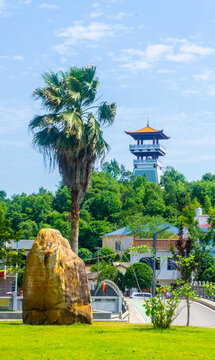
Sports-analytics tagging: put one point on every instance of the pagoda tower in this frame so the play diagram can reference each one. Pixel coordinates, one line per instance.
(147, 151)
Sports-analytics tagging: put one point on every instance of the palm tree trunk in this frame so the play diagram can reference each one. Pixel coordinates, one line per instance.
(75, 222)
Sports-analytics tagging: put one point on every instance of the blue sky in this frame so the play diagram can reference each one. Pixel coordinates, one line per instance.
(155, 59)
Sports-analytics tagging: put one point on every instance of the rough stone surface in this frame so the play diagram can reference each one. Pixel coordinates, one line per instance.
(55, 285)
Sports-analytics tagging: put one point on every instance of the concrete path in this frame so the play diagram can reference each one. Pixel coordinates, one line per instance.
(137, 313)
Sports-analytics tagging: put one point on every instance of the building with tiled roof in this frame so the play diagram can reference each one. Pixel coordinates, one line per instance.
(166, 272)
(119, 240)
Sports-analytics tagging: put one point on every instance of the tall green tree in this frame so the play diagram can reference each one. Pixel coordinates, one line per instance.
(70, 134)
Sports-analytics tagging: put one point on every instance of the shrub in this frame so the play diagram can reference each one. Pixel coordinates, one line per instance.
(138, 275)
(84, 254)
(107, 254)
(162, 311)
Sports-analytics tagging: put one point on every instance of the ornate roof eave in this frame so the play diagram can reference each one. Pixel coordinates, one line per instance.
(157, 134)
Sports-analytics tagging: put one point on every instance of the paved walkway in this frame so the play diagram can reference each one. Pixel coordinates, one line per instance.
(137, 312)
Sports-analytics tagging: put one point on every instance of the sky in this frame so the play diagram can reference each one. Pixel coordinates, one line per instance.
(155, 59)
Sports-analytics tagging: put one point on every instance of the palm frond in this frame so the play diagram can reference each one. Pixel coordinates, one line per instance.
(52, 79)
(106, 113)
(70, 134)
(43, 121)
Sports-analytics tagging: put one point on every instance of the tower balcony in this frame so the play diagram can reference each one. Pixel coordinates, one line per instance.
(147, 149)
(147, 163)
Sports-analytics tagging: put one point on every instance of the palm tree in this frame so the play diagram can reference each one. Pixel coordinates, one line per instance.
(70, 134)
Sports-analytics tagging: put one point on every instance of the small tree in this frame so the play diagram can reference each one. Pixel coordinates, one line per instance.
(138, 275)
(162, 311)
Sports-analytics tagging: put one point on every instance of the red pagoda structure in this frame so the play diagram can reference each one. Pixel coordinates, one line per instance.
(147, 151)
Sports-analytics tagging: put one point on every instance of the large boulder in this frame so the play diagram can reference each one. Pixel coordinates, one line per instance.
(55, 285)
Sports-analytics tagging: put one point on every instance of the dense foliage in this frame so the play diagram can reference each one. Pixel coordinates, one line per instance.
(209, 274)
(114, 200)
(138, 275)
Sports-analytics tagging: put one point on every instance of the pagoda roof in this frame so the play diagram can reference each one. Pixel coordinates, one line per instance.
(147, 133)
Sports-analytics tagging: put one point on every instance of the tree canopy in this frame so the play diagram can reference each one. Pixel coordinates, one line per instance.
(130, 201)
(138, 275)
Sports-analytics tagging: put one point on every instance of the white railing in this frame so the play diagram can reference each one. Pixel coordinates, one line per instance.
(147, 146)
(148, 161)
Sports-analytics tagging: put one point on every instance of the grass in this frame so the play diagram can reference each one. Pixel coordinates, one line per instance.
(104, 341)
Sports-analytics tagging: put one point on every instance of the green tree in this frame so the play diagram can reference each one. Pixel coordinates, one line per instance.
(207, 260)
(107, 254)
(208, 177)
(29, 229)
(138, 275)
(209, 274)
(70, 133)
(85, 254)
(8, 256)
(145, 226)
(62, 199)
(3, 195)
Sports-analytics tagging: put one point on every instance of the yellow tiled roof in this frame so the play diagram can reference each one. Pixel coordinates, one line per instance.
(145, 129)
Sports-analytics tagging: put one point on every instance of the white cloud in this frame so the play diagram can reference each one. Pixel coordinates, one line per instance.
(171, 49)
(121, 15)
(3, 8)
(48, 6)
(154, 52)
(93, 33)
(206, 75)
(95, 5)
(196, 49)
(180, 57)
(207, 82)
(190, 92)
(212, 91)
(18, 57)
(96, 14)
(165, 71)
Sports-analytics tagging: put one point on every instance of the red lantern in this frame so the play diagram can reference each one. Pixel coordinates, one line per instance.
(104, 287)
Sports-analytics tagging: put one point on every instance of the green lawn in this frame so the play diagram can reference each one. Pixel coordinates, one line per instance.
(104, 341)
